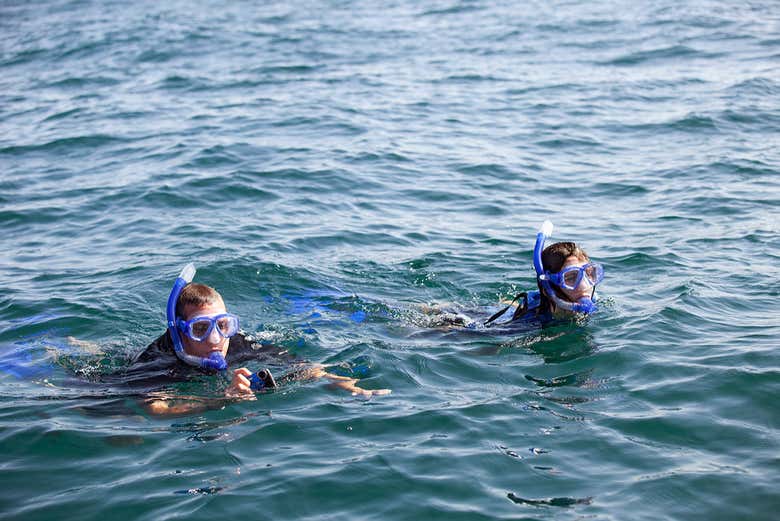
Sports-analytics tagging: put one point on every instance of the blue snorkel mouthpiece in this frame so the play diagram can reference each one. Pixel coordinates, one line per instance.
(215, 361)
(583, 305)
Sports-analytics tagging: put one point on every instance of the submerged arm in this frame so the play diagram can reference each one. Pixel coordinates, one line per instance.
(161, 404)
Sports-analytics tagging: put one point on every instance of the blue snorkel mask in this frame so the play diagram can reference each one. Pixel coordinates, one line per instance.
(593, 272)
(215, 361)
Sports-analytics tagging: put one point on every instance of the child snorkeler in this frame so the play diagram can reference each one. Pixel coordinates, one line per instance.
(203, 336)
(566, 281)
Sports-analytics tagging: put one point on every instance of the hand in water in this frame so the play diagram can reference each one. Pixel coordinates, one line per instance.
(240, 386)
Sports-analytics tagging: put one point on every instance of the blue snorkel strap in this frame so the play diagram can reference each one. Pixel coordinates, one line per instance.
(215, 361)
(583, 305)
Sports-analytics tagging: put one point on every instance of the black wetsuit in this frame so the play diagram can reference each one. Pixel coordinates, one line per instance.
(158, 363)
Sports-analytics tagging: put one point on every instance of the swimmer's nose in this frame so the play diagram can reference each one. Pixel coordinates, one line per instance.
(584, 289)
(214, 337)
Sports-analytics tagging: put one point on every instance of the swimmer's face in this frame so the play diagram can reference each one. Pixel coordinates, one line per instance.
(214, 342)
(585, 288)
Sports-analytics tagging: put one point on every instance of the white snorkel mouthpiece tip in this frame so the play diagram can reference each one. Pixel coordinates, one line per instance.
(188, 273)
(547, 228)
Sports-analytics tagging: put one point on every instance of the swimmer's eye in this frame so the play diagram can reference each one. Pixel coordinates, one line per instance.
(570, 278)
(224, 325)
(228, 325)
(200, 328)
(594, 272)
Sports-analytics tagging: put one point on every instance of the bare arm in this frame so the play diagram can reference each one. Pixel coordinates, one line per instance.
(240, 386)
(347, 383)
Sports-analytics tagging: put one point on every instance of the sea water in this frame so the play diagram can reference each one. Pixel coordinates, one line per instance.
(331, 167)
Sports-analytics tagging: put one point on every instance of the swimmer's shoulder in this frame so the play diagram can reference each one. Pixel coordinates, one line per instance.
(161, 347)
(245, 347)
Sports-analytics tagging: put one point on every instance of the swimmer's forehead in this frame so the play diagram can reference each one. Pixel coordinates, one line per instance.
(191, 310)
(573, 260)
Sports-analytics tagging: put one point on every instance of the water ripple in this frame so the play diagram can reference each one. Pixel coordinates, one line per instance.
(333, 169)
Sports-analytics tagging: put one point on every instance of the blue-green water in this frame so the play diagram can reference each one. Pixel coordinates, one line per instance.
(380, 155)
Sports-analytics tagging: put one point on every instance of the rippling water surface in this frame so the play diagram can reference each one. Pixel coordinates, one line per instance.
(326, 160)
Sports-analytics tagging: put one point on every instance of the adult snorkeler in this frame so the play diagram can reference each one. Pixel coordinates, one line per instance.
(203, 336)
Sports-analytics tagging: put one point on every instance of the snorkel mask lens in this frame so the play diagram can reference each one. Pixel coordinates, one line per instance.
(199, 328)
(594, 272)
(570, 278)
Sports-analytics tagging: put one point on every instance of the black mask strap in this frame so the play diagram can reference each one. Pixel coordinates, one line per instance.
(522, 295)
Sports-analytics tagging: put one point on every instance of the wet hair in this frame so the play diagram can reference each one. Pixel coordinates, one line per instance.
(553, 258)
(197, 295)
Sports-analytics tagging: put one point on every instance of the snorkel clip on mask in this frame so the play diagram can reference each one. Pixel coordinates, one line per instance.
(215, 361)
(584, 304)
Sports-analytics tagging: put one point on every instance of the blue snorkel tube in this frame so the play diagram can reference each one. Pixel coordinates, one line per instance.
(584, 304)
(215, 361)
